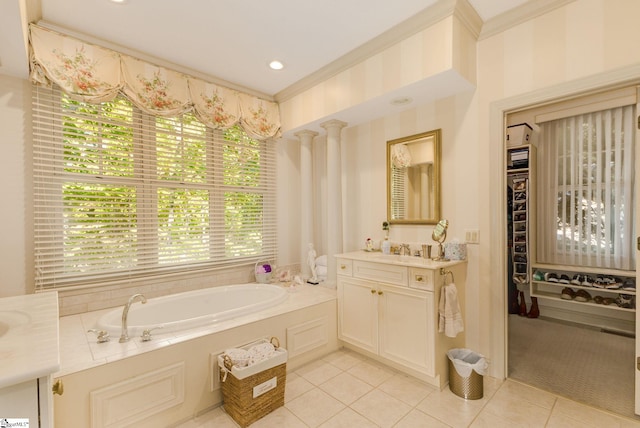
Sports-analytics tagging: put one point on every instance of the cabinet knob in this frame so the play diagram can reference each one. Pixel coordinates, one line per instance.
(419, 278)
(343, 267)
(58, 387)
(379, 293)
(373, 291)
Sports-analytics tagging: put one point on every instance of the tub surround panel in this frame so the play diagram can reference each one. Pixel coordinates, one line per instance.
(127, 403)
(308, 336)
(111, 363)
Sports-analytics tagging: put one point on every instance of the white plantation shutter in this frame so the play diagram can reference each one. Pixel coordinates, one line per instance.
(119, 193)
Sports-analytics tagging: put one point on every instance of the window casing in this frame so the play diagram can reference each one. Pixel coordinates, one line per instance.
(119, 193)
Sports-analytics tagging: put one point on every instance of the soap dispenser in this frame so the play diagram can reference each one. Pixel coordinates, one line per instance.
(386, 246)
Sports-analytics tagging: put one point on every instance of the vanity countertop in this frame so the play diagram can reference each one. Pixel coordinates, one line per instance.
(29, 346)
(393, 259)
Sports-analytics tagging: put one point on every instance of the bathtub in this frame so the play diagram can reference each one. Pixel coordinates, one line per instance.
(193, 309)
(166, 381)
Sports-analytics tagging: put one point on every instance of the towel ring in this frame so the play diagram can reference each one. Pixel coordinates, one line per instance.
(444, 273)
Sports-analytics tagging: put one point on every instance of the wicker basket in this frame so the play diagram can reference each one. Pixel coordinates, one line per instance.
(250, 393)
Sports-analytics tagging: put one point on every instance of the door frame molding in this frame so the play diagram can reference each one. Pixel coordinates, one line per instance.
(498, 313)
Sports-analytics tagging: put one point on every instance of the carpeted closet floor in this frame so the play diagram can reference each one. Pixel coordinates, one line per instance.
(583, 364)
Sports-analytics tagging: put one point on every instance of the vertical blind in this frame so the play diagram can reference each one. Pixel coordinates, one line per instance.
(586, 191)
(120, 193)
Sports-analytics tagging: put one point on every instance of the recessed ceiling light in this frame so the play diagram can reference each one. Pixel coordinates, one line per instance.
(400, 101)
(118, 1)
(276, 65)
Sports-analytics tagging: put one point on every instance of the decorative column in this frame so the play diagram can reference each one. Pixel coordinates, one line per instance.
(306, 197)
(334, 195)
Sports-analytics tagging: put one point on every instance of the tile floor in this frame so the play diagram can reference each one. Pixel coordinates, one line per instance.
(345, 389)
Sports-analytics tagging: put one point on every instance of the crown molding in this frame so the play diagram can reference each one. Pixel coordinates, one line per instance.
(420, 21)
(525, 12)
(469, 17)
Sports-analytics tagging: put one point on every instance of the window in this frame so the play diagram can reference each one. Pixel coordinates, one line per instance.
(122, 194)
(586, 192)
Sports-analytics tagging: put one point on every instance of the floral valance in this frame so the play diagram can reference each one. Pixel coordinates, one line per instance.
(96, 74)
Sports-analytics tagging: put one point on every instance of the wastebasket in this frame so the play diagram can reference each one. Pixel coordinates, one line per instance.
(466, 370)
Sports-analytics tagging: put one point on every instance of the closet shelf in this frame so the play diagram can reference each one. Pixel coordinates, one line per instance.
(556, 296)
(582, 287)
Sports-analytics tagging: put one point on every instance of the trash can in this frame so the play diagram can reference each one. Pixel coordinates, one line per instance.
(466, 370)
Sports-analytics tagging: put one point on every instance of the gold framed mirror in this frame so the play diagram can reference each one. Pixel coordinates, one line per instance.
(413, 179)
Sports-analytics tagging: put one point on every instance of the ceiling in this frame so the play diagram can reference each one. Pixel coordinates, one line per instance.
(231, 40)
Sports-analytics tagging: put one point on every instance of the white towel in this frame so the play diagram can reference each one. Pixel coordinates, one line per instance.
(449, 308)
(321, 260)
(321, 271)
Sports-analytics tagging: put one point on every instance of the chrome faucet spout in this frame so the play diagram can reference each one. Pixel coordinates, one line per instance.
(124, 337)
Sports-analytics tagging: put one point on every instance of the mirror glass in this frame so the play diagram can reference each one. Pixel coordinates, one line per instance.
(440, 231)
(439, 235)
(413, 179)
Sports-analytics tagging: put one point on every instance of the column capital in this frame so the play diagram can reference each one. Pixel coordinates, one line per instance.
(333, 124)
(306, 134)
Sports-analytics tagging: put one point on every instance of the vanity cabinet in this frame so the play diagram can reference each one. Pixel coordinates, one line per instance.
(388, 309)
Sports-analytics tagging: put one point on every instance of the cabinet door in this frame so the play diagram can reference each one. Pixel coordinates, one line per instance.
(406, 327)
(20, 402)
(357, 313)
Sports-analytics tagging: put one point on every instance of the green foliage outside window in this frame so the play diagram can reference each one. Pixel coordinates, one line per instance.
(131, 186)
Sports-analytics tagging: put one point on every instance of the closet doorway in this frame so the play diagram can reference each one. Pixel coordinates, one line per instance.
(570, 332)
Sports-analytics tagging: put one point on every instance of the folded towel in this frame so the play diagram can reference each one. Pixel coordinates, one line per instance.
(260, 352)
(321, 272)
(239, 357)
(450, 321)
(322, 260)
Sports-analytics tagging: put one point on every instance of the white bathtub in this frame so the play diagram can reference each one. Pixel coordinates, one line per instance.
(193, 308)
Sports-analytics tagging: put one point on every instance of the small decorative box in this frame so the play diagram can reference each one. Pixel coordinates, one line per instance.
(455, 251)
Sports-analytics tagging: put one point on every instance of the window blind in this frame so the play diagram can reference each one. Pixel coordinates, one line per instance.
(586, 193)
(119, 193)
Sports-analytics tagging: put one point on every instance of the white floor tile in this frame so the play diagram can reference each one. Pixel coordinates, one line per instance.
(346, 390)
(381, 408)
(315, 407)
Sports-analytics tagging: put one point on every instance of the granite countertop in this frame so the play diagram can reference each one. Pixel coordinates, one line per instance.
(29, 343)
(411, 261)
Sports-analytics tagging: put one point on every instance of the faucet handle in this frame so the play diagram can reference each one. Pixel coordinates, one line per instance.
(146, 334)
(103, 336)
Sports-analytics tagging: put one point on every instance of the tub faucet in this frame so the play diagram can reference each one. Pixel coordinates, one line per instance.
(124, 337)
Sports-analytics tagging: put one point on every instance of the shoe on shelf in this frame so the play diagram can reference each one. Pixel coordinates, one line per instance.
(612, 283)
(582, 296)
(608, 301)
(577, 279)
(564, 279)
(597, 299)
(551, 277)
(625, 301)
(568, 294)
(600, 282)
(629, 284)
(587, 281)
(539, 276)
